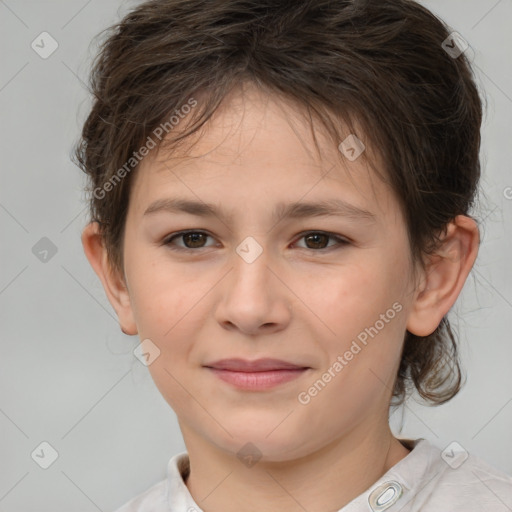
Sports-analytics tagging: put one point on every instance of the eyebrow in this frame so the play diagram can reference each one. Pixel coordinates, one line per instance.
(296, 210)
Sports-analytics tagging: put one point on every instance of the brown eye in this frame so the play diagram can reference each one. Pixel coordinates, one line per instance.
(194, 240)
(191, 240)
(318, 240)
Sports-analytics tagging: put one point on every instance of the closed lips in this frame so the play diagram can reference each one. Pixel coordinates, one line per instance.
(260, 365)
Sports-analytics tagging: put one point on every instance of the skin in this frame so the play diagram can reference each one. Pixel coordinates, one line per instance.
(297, 301)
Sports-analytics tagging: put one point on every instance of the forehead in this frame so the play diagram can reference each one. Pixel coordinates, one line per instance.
(257, 144)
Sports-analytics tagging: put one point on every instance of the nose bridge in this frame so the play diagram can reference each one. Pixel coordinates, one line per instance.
(251, 261)
(252, 297)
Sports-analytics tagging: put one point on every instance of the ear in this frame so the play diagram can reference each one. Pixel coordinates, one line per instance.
(444, 276)
(113, 283)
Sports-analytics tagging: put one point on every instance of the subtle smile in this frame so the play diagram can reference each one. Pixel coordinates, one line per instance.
(256, 375)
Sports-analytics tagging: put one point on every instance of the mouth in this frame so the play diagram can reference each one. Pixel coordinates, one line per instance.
(256, 375)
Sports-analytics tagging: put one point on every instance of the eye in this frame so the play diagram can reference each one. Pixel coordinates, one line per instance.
(319, 238)
(192, 240)
(315, 240)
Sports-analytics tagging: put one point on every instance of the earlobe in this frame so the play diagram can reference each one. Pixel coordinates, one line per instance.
(445, 274)
(113, 284)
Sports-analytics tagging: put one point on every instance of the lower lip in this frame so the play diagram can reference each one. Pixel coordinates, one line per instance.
(257, 380)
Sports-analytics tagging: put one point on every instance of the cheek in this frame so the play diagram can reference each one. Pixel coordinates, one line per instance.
(162, 294)
(363, 308)
(168, 310)
(348, 296)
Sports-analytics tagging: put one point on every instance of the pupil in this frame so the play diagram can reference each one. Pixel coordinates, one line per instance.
(194, 237)
(315, 237)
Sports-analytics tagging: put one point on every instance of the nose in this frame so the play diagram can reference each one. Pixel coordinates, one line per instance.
(254, 297)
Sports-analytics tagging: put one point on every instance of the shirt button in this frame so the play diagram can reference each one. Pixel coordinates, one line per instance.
(382, 497)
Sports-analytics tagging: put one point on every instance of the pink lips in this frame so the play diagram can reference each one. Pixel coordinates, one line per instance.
(259, 374)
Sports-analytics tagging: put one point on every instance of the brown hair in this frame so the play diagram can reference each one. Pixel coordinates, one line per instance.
(379, 63)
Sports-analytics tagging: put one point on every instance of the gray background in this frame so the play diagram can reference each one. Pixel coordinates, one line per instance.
(67, 373)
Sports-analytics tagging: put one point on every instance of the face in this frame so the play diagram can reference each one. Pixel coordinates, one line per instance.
(328, 293)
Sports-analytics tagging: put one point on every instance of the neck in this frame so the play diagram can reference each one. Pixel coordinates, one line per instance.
(325, 480)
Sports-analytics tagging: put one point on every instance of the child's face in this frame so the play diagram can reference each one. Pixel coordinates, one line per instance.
(297, 301)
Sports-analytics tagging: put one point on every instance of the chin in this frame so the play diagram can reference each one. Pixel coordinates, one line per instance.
(268, 444)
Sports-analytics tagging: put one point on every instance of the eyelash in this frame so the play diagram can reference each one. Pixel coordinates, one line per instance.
(340, 241)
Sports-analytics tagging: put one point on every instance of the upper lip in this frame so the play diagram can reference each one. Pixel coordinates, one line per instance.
(258, 365)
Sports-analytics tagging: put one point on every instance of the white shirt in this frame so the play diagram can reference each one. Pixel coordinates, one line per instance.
(426, 480)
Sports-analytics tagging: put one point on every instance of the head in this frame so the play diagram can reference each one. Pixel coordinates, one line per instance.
(248, 107)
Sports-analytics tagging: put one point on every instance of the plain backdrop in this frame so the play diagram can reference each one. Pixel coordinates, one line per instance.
(68, 376)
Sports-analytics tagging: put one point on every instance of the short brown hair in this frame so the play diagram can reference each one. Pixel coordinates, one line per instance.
(378, 62)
